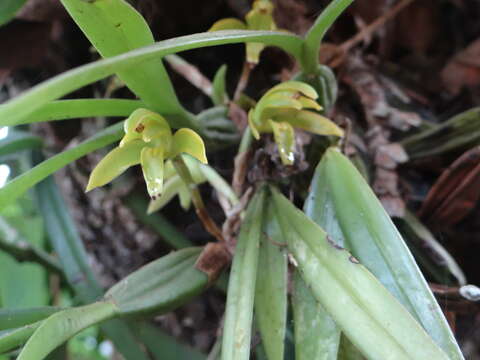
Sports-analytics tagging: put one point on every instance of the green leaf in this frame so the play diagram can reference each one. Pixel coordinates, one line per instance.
(429, 252)
(219, 86)
(17, 337)
(372, 238)
(271, 288)
(16, 187)
(166, 347)
(8, 9)
(17, 109)
(66, 242)
(314, 37)
(237, 330)
(316, 334)
(156, 222)
(17, 141)
(114, 27)
(187, 141)
(315, 331)
(115, 163)
(81, 108)
(383, 328)
(63, 325)
(13, 318)
(460, 132)
(160, 286)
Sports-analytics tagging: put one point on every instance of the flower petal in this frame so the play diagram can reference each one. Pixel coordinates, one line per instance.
(284, 136)
(114, 163)
(152, 160)
(314, 123)
(228, 24)
(188, 141)
(295, 86)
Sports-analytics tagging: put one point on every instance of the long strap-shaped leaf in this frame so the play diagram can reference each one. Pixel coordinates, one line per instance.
(160, 286)
(17, 337)
(365, 311)
(22, 183)
(371, 237)
(18, 108)
(271, 288)
(241, 287)
(82, 108)
(114, 27)
(13, 318)
(66, 242)
(317, 336)
(61, 326)
(314, 37)
(325, 336)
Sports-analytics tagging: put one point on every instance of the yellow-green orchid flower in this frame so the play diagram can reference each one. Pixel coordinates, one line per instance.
(282, 109)
(148, 141)
(174, 185)
(258, 18)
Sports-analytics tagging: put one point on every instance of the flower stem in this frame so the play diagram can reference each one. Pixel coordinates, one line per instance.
(197, 200)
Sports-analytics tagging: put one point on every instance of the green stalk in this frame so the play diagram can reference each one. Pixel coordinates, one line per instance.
(15, 110)
(313, 39)
(197, 200)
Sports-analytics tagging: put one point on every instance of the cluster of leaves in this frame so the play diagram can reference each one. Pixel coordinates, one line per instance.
(357, 290)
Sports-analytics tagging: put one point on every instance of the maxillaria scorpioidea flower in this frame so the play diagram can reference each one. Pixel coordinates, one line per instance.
(259, 18)
(281, 109)
(148, 141)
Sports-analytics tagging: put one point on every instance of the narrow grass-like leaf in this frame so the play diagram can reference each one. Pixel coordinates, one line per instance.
(61, 326)
(66, 242)
(430, 253)
(219, 86)
(17, 337)
(383, 328)
(271, 288)
(161, 285)
(82, 108)
(314, 37)
(22, 183)
(237, 329)
(157, 222)
(317, 336)
(372, 238)
(14, 318)
(114, 27)
(17, 109)
(309, 342)
(22, 250)
(460, 132)
(164, 346)
(17, 141)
